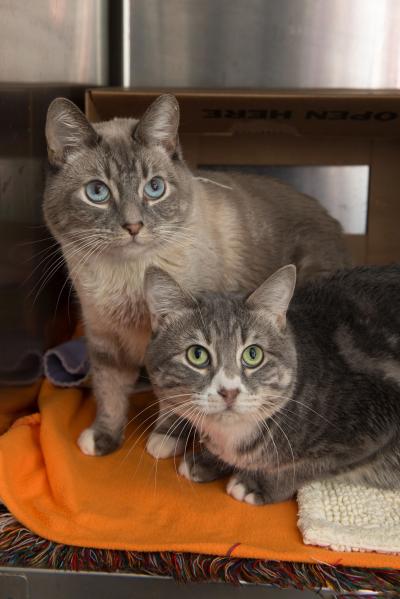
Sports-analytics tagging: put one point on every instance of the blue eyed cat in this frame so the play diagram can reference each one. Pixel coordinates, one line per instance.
(283, 389)
(119, 198)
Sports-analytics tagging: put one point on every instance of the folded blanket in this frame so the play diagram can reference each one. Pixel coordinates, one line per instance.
(67, 365)
(348, 517)
(129, 501)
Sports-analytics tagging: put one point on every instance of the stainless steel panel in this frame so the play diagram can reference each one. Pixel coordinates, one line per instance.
(45, 41)
(54, 41)
(261, 43)
(14, 586)
(343, 190)
(50, 584)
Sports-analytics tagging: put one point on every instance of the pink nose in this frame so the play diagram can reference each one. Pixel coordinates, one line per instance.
(133, 228)
(229, 395)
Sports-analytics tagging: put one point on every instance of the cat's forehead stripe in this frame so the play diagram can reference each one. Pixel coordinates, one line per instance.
(145, 170)
(201, 337)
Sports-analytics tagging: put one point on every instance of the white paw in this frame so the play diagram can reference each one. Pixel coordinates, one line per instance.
(251, 498)
(184, 470)
(238, 491)
(86, 442)
(162, 446)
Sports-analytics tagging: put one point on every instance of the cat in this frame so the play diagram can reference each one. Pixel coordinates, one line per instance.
(284, 386)
(120, 198)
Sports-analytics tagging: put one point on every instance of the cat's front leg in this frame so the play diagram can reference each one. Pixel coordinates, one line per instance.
(258, 489)
(203, 467)
(112, 386)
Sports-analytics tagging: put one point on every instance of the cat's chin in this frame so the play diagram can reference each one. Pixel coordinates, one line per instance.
(130, 249)
(228, 415)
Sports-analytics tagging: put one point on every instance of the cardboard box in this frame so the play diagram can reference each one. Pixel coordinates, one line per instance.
(312, 127)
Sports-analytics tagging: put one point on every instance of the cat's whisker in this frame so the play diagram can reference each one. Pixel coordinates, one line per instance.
(68, 234)
(41, 226)
(169, 434)
(291, 451)
(187, 423)
(193, 423)
(155, 420)
(99, 248)
(49, 274)
(154, 403)
(313, 411)
(75, 239)
(149, 407)
(48, 251)
(168, 397)
(143, 452)
(197, 427)
(291, 399)
(163, 416)
(54, 252)
(71, 288)
(35, 241)
(188, 438)
(60, 261)
(131, 449)
(175, 236)
(286, 413)
(265, 426)
(196, 422)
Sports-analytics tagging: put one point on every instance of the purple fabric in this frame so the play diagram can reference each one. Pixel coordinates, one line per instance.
(67, 365)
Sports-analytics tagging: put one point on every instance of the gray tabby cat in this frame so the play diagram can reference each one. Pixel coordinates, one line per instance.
(119, 198)
(283, 390)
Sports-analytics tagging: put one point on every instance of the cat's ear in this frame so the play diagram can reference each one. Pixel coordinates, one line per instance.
(67, 129)
(273, 297)
(164, 297)
(159, 124)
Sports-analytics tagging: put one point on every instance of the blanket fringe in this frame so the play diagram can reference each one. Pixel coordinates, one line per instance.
(20, 547)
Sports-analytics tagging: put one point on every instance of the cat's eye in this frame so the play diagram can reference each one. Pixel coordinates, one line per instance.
(155, 188)
(252, 356)
(97, 192)
(198, 356)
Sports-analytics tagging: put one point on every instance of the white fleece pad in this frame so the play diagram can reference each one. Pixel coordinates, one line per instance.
(347, 517)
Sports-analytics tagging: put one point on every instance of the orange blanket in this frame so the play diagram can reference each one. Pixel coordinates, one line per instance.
(127, 501)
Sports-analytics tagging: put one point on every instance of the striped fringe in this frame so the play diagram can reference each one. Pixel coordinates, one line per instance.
(20, 547)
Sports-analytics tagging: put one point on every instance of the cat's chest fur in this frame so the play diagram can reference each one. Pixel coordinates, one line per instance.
(111, 294)
(225, 442)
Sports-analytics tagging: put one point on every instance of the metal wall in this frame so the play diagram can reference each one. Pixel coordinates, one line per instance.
(48, 48)
(54, 41)
(261, 43)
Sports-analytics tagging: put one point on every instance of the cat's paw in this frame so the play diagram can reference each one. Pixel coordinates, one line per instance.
(161, 446)
(193, 469)
(97, 443)
(240, 489)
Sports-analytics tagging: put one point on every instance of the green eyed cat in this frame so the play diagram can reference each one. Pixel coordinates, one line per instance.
(281, 390)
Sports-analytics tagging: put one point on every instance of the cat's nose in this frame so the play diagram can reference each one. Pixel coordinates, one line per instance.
(133, 228)
(229, 395)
